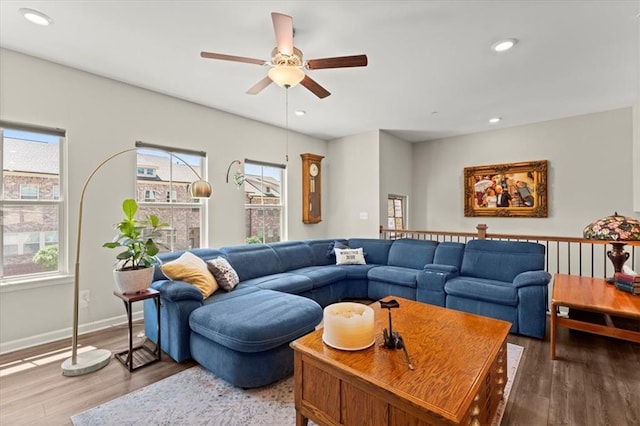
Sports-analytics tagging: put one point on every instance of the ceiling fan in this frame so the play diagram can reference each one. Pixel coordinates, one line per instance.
(287, 61)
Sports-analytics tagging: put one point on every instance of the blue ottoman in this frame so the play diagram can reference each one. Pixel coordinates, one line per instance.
(245, 340)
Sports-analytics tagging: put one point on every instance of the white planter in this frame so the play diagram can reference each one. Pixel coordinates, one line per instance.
(133, 280)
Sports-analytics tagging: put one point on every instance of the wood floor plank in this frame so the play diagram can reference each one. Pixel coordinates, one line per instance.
(595, 381)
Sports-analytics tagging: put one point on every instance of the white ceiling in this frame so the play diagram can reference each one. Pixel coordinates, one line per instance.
(431, 71)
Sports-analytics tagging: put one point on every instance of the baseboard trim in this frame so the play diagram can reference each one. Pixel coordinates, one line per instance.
(65, 333)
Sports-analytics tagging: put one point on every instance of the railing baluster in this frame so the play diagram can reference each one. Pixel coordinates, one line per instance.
(546, 251)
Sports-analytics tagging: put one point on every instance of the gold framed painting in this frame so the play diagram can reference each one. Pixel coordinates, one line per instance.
(506, 190)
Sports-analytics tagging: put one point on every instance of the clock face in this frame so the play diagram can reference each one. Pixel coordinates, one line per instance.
(313, 170)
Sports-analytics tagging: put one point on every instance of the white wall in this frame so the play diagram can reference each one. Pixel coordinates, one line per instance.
(636, 133)
(395, 173)
(636, 156)
(101, 117)
(353, 186)
(590, 173)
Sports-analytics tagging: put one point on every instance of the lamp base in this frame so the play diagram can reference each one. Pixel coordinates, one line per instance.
(617, 256)
(86, 362)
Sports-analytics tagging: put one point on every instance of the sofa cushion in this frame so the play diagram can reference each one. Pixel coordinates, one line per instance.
(256, 322)
(223, 272)
(376, 251)
(501, 260)
(482, 289)
(293, 254)
(449, 253)
(356, 272)
(225, 295)
(253, 260)
(287, 283)
(349, 256)
(336, 245)
(320, 249)
(411, 253)
(193, 270)
(321, 276)
(203, 253)
(396, 275)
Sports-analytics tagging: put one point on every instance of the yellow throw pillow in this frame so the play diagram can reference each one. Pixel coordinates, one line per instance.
(193, 270)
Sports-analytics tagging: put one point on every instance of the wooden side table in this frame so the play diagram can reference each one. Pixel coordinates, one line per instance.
(592, 295)
(140, 355)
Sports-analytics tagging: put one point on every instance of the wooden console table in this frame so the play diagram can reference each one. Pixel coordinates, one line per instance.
(460, 364)
(593, 295)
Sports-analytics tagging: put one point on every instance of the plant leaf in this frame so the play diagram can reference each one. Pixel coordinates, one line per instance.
(130, 207)
(124, 255)
(152, 248)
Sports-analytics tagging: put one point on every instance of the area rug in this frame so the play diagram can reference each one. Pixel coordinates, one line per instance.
(197, 397)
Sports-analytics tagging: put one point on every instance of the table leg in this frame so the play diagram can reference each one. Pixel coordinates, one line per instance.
(130, 354)
(158, 345)
(300, 419)
(554, 318)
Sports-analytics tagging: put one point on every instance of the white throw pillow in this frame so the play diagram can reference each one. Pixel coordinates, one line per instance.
(350, 257)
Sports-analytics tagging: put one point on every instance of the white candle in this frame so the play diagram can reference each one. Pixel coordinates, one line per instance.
(348, 326)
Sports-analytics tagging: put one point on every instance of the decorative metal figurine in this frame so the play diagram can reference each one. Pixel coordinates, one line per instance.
(392, 339)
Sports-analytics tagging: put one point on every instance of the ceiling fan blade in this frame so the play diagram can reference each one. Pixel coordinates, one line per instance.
(259, 86)
(232, 58)
(283, 27)
(314, 87)
(338, 62)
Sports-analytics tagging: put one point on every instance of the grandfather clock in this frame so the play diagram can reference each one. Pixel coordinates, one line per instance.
(311, 188)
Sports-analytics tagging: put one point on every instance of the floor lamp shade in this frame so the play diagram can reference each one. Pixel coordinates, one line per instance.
(200, 189)
(95, 359)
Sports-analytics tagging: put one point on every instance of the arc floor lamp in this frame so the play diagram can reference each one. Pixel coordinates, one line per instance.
(93, 360)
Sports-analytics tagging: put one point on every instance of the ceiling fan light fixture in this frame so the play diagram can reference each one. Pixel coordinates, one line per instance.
(286, 76)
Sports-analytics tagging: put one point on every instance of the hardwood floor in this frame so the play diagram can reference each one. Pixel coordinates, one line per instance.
(594, 381)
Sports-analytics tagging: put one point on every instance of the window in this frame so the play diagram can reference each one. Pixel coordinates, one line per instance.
(149, 195)
(32, 201)
(264, 202)
(396, 212)
(28, 192)
(162, 189)
(146, 171)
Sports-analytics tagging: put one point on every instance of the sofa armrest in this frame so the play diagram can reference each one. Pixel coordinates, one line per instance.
(532, 278)
(176, 291)
(533, 302)
(431, 281)
(434, 267)
(177, 300)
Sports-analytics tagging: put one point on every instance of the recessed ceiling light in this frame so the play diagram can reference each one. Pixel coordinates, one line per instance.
(35, 16)
(495, 120)
(300, 113)
(503, 45)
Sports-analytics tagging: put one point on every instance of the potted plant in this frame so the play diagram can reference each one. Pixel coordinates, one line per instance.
(134, 265)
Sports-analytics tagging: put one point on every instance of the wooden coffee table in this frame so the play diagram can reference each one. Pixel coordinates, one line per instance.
(593, 295)
(460, 372)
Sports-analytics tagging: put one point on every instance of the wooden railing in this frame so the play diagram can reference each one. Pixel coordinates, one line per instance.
(566, 255)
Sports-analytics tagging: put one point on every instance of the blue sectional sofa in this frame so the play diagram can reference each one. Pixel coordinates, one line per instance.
(243, 335)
